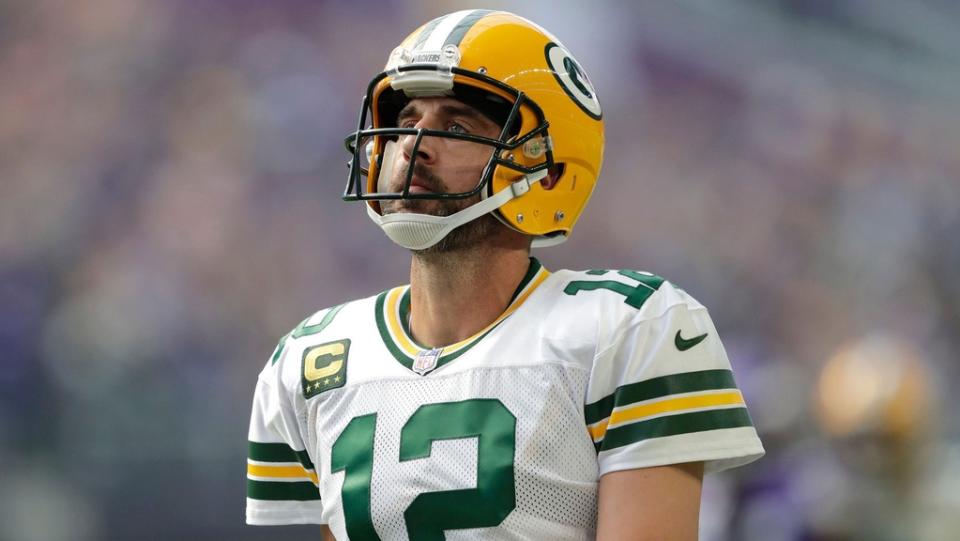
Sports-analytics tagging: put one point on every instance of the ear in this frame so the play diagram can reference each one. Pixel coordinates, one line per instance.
(553, 175)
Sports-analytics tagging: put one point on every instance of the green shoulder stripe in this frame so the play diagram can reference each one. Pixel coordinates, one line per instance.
(688, 382)
(267, 490)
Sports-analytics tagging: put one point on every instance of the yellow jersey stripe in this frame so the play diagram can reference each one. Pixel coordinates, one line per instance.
(282, 472)
(392, 309)
(670, 405)
(541, 276)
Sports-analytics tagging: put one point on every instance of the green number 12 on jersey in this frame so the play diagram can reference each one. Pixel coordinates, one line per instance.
(431, 513)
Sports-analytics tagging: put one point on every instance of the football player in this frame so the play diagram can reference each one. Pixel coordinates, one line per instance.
(491, 398)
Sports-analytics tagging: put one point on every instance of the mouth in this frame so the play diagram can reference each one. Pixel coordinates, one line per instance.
(419, 185)
(416, 187)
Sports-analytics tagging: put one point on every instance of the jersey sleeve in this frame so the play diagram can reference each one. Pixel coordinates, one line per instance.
(282, 484)
(661, 392)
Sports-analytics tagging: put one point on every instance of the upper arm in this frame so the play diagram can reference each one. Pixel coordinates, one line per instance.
(281, 478)
(650, 503)
(662, 407)
(661, 389)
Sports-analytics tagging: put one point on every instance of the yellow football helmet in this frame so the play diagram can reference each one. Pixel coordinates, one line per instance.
(514, 71)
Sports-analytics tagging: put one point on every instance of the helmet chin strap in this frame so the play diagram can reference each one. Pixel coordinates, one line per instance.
(421, 231)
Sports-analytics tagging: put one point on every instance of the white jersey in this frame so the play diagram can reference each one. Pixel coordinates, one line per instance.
(503, 435)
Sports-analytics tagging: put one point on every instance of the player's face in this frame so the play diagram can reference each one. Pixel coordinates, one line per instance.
(442, 165)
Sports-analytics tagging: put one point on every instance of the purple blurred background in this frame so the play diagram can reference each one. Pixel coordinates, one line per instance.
(170, 174)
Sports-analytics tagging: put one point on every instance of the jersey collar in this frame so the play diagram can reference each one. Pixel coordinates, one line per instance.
(393, 308)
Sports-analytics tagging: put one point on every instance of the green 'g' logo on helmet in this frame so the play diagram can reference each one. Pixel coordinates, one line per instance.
(573, 79)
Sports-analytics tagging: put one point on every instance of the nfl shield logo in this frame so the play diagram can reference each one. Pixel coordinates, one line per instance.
(426, 360)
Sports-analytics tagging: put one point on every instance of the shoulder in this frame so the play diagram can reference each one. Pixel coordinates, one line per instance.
(613, 298)
(579, 314)
(330, 324)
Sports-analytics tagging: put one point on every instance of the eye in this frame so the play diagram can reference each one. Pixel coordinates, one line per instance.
(457, 128)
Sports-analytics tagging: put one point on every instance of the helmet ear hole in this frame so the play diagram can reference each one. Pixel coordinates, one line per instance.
(554, 173)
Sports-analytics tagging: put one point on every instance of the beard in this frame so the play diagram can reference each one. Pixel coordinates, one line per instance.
(465, 237)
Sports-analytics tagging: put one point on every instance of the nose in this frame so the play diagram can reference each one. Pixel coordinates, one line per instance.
(425, 151)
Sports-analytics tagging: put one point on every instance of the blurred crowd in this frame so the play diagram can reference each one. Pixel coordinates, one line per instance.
(170, 174)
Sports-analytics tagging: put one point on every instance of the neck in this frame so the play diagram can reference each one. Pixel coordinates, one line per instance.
(455, 295)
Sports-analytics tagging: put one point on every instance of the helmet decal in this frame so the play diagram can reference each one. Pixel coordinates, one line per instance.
(456, 35)
(573, 79)
(448, 29)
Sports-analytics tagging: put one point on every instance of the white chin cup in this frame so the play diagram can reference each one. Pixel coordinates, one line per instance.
(421, 231)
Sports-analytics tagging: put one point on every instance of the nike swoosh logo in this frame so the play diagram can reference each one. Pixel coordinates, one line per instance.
(683, 344)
